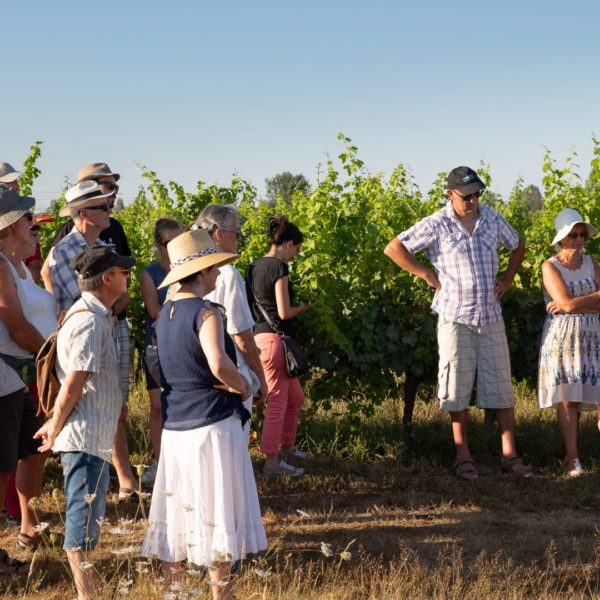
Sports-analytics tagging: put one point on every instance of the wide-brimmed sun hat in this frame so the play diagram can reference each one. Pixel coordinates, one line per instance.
(191, 252)
(565, 220)
(95, 171)
(12, 206)
(8, 173)
(80, 196)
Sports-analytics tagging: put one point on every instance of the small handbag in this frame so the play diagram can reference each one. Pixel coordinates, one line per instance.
(295, 361)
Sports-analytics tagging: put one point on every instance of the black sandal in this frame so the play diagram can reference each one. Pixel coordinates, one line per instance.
(465, 470)
(12, 566)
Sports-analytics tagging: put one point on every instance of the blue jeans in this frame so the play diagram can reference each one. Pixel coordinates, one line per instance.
(86, 484)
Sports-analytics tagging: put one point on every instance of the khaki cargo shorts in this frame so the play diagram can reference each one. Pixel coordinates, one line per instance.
(467, 351)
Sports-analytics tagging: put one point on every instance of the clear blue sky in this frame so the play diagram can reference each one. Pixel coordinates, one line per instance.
(199, 90)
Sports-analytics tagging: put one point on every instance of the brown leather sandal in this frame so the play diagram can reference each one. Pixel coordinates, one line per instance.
(465, 470)
(516, 466)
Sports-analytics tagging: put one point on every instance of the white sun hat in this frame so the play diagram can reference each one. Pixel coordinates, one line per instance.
(565, 220)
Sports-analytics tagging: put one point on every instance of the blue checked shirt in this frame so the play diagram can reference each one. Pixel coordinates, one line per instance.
(466, 264)
(65, 287)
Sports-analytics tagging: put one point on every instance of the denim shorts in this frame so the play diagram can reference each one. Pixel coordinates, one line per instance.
(86, 484)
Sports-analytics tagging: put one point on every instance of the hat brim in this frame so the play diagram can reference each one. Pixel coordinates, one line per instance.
(11, 217)
(196, 265)
(125, 261)
(37, 219)
(65, 211)
(564, 231)
(470, 188)
(96, 176)
(10, 177)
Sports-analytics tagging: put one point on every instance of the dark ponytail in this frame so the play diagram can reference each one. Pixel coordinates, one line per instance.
(281, 231)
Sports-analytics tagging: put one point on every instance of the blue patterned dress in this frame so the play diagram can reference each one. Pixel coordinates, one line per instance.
(569, 368)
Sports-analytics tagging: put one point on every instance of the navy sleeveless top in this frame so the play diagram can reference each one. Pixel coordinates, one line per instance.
(157, 273)
(188, 397)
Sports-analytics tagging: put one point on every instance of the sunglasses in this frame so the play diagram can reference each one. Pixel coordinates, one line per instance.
(582, 234)
(103, 207)
(111, 185)
(238, 232)
(469, 197)
(125, 272)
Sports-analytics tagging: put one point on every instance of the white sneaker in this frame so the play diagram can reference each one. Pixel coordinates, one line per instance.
(574, 468)
(300, 455)
(149, 474)
(283, 468)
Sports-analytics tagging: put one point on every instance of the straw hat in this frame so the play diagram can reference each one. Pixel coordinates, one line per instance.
(565, 220)
(80, 195)
(191, 252)
(95, 171)
(12, 206)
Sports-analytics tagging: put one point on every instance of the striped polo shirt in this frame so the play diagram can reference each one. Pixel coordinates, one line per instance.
(85, 343)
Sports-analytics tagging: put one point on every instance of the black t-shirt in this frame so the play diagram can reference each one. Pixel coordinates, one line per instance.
(264, 272)
(113, 236)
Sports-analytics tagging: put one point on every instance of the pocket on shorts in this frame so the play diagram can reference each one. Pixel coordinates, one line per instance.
(443, 381)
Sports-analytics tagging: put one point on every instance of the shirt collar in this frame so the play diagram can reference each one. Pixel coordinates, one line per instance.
(450, 214)
(94, 304)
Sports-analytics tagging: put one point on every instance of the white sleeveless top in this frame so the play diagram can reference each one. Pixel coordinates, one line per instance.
(579, 282)
(41, 306)
(38, 307)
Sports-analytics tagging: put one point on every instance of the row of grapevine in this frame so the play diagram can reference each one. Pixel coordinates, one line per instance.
(369, 322)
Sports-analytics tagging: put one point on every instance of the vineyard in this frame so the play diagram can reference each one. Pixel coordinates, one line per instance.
(369, 329)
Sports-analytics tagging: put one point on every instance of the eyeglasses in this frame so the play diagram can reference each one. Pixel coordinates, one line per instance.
(125, 272)
(104, 207)
(238, 232)
(469, 197)
(582, 234)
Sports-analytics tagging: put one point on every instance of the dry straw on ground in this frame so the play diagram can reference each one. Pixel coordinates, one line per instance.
(379, 517)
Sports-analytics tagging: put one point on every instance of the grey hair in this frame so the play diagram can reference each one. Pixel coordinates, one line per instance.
(90, 284)
(216, 215)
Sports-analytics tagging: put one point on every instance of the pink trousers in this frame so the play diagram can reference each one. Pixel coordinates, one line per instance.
(285, 398)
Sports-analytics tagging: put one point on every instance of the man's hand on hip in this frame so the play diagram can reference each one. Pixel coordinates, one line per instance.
(432, 280)
(501, 287)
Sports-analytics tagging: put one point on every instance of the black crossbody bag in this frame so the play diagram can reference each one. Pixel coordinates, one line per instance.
(295, 361)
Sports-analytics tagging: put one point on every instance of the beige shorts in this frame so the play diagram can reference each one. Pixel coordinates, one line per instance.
(467, 351)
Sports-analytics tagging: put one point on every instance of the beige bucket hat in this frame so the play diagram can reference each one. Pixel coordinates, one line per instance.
(191, 252)
(80, 196)
(95, 171)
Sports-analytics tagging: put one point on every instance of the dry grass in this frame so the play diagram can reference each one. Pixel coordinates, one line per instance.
(397, 524)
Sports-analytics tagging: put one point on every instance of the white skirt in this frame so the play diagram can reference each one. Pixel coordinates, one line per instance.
(204, 504)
